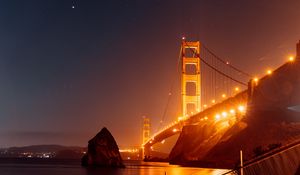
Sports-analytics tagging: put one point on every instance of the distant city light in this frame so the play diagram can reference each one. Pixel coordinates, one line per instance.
(213, 101)
(129, 150)
(269, 72)
(291, 58)
(223, 95)
(175, 130)
(237, 89)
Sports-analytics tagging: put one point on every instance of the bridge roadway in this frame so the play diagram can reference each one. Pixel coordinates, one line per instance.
(228, 109)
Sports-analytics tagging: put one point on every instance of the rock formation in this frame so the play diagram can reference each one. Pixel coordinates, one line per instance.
(103, 151)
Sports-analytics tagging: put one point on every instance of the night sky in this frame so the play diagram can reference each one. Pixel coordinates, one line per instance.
(70, 67)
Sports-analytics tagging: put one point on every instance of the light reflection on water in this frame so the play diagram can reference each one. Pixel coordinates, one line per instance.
(132, 168)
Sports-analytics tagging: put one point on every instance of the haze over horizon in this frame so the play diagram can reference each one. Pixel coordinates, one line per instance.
(70, 67)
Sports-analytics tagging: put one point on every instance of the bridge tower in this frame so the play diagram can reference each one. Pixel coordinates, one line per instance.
(146, 129)
(145, 152)
(190, 79)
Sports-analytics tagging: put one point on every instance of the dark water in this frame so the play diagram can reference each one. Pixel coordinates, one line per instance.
(72, 168)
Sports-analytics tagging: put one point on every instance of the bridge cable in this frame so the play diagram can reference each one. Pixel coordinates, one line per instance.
(226, 63)
(170, 92)
(214, 76)
(215, 69)
(242, 83)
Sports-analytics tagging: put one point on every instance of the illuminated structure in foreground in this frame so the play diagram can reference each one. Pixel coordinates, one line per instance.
(192, 53)
(190, 56)
(225, 109)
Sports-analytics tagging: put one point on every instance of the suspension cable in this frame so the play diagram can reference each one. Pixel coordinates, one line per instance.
(225, 62)
(210, 66)
(170, 92)
(215, 69)
(225, 75)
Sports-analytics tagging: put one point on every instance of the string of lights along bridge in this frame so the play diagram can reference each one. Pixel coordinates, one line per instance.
(212, 90)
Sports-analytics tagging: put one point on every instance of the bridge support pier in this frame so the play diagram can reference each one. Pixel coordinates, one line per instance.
(146, 152)
(251, 86)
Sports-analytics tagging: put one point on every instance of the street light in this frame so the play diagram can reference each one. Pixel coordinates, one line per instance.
(232, 111)
(224, 114)
(237, 89)
(241, 108)
(223, 95)
(291, 58)
(217, 116)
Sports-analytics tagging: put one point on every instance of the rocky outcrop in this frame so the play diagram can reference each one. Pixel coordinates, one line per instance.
(196, 141)
(272, 119)
(103, 151)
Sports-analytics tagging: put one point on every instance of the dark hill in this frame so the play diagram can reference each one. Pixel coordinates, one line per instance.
(53, 151)
(43, 148)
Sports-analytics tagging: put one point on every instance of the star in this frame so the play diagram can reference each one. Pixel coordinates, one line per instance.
(73, 7)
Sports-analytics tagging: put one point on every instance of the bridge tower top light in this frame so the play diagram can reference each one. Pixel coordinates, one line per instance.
(190, 79)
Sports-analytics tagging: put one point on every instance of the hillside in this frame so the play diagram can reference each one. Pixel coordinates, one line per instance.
(44, 151)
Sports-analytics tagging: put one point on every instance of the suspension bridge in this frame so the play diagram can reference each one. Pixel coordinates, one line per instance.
(216, 94)
(212, 89)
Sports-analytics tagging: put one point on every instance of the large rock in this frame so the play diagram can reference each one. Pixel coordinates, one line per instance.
(103, 151)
